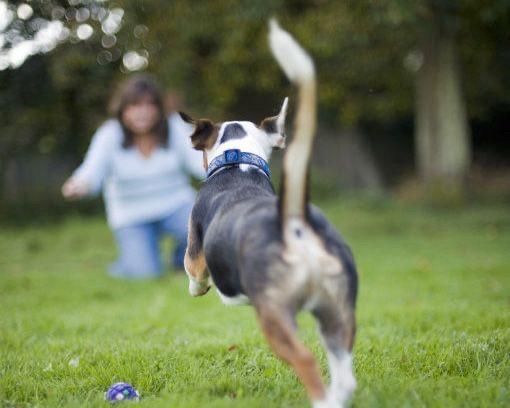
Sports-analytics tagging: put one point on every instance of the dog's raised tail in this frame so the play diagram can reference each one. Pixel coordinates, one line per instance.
(299, 68)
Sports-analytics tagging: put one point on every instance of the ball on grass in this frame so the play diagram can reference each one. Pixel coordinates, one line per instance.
(121, 391)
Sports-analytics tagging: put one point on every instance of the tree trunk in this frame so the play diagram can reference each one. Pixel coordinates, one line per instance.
(442, 139)
(345, 154)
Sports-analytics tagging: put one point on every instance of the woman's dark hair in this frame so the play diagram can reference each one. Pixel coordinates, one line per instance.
(131, 92)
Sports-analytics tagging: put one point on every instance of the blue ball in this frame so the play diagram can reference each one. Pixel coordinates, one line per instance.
(121, 391)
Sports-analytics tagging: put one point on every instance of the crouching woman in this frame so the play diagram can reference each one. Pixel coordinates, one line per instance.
(141, 160)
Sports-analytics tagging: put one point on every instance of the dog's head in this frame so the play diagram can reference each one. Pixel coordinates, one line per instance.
(214, 138)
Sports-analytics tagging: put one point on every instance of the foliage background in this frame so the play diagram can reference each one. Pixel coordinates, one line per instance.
(215, 55)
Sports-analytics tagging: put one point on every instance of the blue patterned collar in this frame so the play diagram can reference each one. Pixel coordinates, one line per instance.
(235, 157)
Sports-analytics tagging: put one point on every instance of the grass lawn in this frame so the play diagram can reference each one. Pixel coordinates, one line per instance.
(433, 319)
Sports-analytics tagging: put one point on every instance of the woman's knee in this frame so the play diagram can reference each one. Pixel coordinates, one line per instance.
(138, 252)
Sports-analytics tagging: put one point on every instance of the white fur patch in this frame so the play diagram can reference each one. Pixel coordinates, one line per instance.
(343, 382)
(325, 403)
(198, 288)
(233, 301)
(293, 59)
(256, 141)
(280, 122)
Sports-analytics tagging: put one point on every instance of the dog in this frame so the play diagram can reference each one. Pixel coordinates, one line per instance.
(276, 252)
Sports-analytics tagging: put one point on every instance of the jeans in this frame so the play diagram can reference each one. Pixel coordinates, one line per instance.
(139, 252)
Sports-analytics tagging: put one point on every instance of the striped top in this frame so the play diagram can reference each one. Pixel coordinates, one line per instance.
(136, 188)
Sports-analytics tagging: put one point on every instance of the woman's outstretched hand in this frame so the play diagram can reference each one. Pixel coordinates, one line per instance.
(74, 189)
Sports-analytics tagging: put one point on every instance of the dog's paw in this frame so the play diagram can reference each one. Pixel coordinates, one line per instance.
(328, 402)
(199, 288)
(341, 395)
(336, 400)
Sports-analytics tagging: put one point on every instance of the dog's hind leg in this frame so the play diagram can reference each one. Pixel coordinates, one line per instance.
(278, 326)
(337, 326)
(195, 265)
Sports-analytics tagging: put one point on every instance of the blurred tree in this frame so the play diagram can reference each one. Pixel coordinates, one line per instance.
(50, 102)
(437, 29)
(442, 139)
(377, 61)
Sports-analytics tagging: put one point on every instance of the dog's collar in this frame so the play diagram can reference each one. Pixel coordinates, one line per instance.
(235, 157)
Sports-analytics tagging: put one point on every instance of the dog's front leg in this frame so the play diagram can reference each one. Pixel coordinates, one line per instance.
(195, 265)
(196, 269)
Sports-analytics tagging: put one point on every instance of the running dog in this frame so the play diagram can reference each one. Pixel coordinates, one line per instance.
(278, 253)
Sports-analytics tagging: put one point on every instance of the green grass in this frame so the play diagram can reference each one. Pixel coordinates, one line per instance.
(433, 317)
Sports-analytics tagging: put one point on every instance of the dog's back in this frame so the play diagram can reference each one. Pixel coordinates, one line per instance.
(244, 246)
(227, 205)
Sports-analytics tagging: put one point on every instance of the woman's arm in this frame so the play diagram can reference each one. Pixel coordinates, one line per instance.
(88, 178)
(192, 159)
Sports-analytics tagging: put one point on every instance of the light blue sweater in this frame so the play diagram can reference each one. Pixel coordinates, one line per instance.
(136, 188)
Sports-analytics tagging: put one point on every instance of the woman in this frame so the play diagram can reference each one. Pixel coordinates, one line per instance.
(140, 160)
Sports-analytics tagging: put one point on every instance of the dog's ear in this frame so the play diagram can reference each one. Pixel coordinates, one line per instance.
(205, 134)
(274, 126)
(187, 118)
